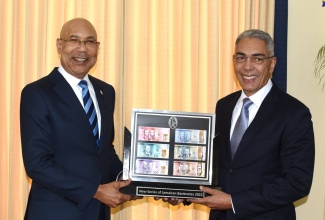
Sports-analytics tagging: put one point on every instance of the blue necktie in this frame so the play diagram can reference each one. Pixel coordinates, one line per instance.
(240, 126)
(90, 109)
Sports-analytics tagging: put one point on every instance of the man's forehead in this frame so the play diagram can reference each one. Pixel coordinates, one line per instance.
(251, 44)
(79, 28)
(78, 33)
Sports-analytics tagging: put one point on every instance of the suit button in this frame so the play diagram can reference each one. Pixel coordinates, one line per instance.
(230, 171)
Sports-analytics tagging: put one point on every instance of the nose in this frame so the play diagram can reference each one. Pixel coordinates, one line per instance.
(248, 63)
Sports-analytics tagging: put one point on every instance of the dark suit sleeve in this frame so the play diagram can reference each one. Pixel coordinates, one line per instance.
(47, 157)
(115, 163)
(294, 137)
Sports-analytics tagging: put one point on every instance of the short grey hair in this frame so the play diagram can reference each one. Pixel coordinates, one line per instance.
(258, 34)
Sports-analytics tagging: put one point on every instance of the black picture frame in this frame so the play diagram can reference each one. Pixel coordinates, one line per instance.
(169, 153)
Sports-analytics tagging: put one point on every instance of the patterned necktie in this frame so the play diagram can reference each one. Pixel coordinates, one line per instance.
(90, 109)
(241, 126)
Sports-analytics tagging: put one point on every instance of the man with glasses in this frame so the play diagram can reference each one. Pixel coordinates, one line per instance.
(268, 166)
(67, 130)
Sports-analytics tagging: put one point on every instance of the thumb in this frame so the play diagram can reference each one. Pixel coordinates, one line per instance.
(207, 190)
(124, 183)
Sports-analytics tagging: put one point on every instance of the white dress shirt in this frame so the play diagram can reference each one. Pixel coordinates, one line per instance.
(73, 82)
(257, 100)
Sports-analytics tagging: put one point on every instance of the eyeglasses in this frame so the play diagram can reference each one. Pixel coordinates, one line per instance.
(73, 42)
(254, 59)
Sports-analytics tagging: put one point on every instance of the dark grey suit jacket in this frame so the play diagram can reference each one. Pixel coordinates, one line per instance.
(59, 150)
(273, 166)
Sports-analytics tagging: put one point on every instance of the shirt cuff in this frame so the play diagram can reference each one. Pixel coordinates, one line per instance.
(232, 205)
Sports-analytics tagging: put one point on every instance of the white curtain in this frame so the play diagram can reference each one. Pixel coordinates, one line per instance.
(158, 54)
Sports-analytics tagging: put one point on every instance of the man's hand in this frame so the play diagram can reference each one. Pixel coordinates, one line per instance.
(110, 195)
(172, 201)
(218, 199)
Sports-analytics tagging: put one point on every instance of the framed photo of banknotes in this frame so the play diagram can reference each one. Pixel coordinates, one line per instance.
(168, 153)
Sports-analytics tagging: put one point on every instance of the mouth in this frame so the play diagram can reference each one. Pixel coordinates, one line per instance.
(249, 77)
(80, 59)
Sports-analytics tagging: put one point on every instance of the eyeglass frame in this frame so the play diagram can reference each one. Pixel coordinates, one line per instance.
(256, 56)
(71, 40)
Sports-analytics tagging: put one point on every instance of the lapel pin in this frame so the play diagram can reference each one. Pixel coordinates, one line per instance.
(101, 92)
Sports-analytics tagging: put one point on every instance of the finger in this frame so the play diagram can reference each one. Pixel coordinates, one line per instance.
(179, 201)
(124, 197)
(198, 201)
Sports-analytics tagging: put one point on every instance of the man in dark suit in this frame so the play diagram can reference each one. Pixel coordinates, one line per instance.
(73, 170)
(273, 164)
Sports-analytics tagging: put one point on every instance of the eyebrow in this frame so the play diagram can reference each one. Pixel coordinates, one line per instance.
(76, 36)
(253, 55)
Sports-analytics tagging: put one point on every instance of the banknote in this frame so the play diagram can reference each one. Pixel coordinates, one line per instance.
(147, 149)
(189, 152)
(184, 168)
(190, 136)
(156, 167)
(153, 134)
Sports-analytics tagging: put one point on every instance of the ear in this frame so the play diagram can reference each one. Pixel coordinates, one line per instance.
(273, 63)
(59, 45)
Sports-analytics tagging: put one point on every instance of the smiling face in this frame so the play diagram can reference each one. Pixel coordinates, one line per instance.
(252, 77)
(77, 60)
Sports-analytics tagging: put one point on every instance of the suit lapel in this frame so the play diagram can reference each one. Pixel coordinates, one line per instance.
(228, 117)
(64, 90)
(264, 113)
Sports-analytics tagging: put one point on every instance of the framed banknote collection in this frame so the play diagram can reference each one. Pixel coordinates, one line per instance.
(168, 154)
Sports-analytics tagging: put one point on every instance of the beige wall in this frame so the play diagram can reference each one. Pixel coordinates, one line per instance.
(306, 34)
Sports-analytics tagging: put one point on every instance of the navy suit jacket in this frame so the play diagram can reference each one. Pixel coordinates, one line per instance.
(60, 152)
(273, 165)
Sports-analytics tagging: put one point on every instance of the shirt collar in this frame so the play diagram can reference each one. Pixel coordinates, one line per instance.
(71, 79)
(259, 96)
